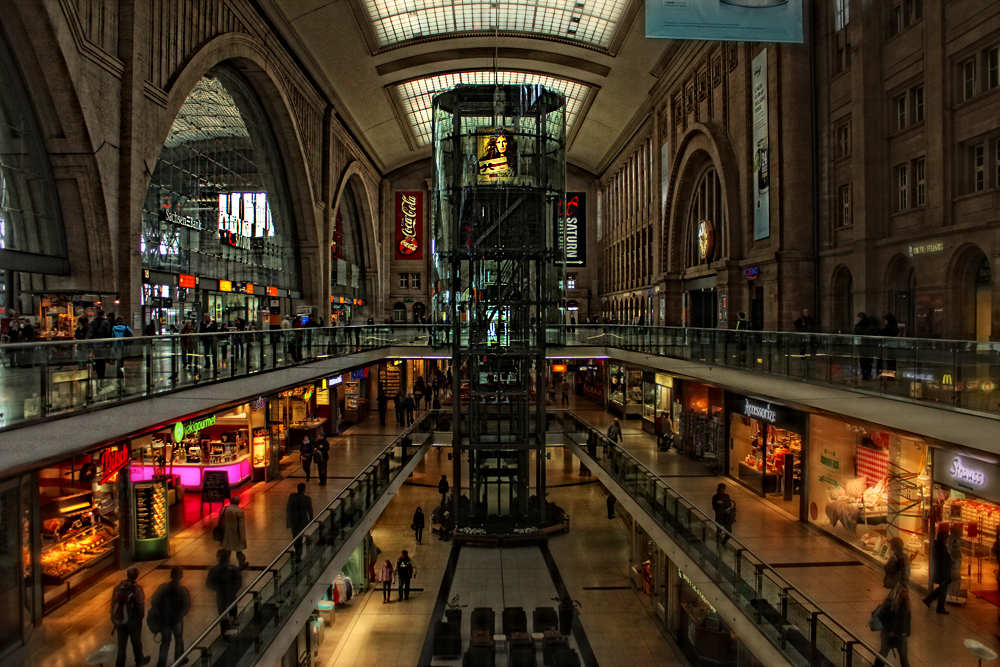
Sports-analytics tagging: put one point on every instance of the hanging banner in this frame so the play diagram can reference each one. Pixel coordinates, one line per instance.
(409, 225)
(576, 229)
(731, 20)
(761, 156)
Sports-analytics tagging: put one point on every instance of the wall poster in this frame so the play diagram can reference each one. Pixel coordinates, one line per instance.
(730, 20)
(761, 155)
(409, 226)
(576, 229)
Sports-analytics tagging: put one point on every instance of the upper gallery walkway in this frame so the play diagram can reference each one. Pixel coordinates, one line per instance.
(781, 573)
(886, 381)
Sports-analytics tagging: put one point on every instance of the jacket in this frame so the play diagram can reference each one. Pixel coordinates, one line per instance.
(895, 613)
(129, 588)
(234, 528)
(387, 574)
(941, 563)
(722, 504)
(443, 486)
(418, 519)
(172, 602)
(225, 580)
(404, 568)
(298, 512)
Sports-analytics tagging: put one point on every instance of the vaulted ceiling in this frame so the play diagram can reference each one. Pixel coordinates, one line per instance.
(382, 61)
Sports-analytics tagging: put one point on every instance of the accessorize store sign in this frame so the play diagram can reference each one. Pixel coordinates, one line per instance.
(409, 225)
(575, 229)
(769, 413)
(967, 474)
(730, 20)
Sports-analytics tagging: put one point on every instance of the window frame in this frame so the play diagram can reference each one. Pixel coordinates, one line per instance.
(991, 63)
(842, 134)
(844, 208)
(968, 69)
(404, 281)
(977, 161)
(901, 112)
(902, 188)
(917, 105)
(414, 281)
(920, 181)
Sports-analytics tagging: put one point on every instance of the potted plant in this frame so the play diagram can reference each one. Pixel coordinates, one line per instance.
(567, 607)
(453, 613)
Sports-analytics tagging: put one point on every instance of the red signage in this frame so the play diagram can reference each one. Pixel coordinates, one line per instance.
(187, 281)
(409, 225)
(113, 460)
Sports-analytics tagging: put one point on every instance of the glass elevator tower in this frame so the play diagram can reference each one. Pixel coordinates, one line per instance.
(498, 204)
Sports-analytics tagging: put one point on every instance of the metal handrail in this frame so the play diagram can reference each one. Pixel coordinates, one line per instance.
(761, 562)
(247, 590)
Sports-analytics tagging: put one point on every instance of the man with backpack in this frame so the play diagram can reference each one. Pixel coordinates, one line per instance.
(128, 605)
(225, 580)
(170, 604)
(100, 328)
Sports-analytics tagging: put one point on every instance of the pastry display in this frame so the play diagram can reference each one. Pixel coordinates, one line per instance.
(62, 560)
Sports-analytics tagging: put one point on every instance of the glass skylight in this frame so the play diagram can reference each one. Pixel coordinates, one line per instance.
(417, 95)
(590, 21)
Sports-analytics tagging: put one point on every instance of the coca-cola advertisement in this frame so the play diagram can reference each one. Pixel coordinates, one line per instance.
(409, 225)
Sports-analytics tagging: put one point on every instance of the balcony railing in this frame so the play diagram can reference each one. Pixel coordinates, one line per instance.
(793, 623)
(51, 379)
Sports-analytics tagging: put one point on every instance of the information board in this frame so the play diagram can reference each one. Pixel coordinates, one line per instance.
(214, 486)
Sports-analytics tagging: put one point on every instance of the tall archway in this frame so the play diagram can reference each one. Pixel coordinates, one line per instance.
(900, 296)
(349, 263)
(842, 300)
(218, 210)
(970, 283)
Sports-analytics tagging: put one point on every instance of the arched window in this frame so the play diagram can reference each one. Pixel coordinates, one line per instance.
(705, 220)
(347, 270)
(399, 313)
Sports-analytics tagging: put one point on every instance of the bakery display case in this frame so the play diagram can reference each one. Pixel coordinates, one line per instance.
(151, 521)
(77, 552)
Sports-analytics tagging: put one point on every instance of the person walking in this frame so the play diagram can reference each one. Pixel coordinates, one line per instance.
(611, 501)
(897, 568)
(418, 525)
(443, 488)
(234, 530)
(865, 327)
(82, 354)
(208, 342)
(321, 456)
(383, 405)
(615, 433)
(397, 402)
(298, 514)
(387, 577)
(565, 390)
(725, 510)
(894, 614)
(189, 347)
(805, 323)
(225, 580)
(128, 606)
(171, 602)
(940, 573)
(409, 406)
(404, 573)
(428, 394)
(306, 455)
(99, 329)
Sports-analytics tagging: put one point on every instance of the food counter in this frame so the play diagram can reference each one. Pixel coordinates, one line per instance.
(191, 473)
(76, 552)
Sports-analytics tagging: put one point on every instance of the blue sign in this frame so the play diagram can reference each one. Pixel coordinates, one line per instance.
(335, 380)
(728, 20)
(359, 374)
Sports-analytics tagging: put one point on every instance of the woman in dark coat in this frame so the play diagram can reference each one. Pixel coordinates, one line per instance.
(418, 524)
(940, 572)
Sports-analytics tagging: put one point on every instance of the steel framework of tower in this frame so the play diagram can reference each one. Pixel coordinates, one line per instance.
(498, 204)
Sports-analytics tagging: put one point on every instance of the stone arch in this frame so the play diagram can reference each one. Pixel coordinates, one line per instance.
(841, 300)
(970, 291)
(268, 79)
(900, 294)
(702, 145)
(354, 177)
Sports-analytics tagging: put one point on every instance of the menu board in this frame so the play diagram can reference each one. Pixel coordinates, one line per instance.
(259, 447)
(151, 521)
(390, 380)
(214, 486)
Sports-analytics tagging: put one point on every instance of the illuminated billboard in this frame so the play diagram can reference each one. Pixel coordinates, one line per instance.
(496, 152)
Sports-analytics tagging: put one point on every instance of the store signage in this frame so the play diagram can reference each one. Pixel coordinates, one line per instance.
(112, 460)
(575, 229)
(663, 380)
(272, 291)
(706, 239)
(751, 273)
(243, 288)
(558, 368)
(586, 368)
(69, 376)
(322, 397)
(761, 156)
(409, 225)
(967, 474)
(334, 381)
(225, 286)
(183, 220)
(182, 430)
(926, 248)
(359, 374)
(234, 240)
(190, 282)
(259, 403)
(757, 411)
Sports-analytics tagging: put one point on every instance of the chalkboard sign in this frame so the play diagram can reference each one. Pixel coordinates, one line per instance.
(214, 486)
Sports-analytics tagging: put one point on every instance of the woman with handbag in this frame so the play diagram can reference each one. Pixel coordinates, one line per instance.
(894, 625)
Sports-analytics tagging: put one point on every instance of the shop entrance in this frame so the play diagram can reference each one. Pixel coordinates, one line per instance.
(765, 451)
(227, 308)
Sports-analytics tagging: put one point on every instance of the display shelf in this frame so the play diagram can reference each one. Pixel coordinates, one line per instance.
(75, 553)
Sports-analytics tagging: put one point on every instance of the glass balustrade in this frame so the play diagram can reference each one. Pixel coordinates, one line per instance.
(263, 606)
(794, 624)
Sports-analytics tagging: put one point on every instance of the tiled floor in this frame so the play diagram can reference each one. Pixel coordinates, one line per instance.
(847, 593)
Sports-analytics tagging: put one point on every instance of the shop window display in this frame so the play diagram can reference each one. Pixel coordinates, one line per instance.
(867, 487)
(702, 634)
(701, 423)
(616, 385)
